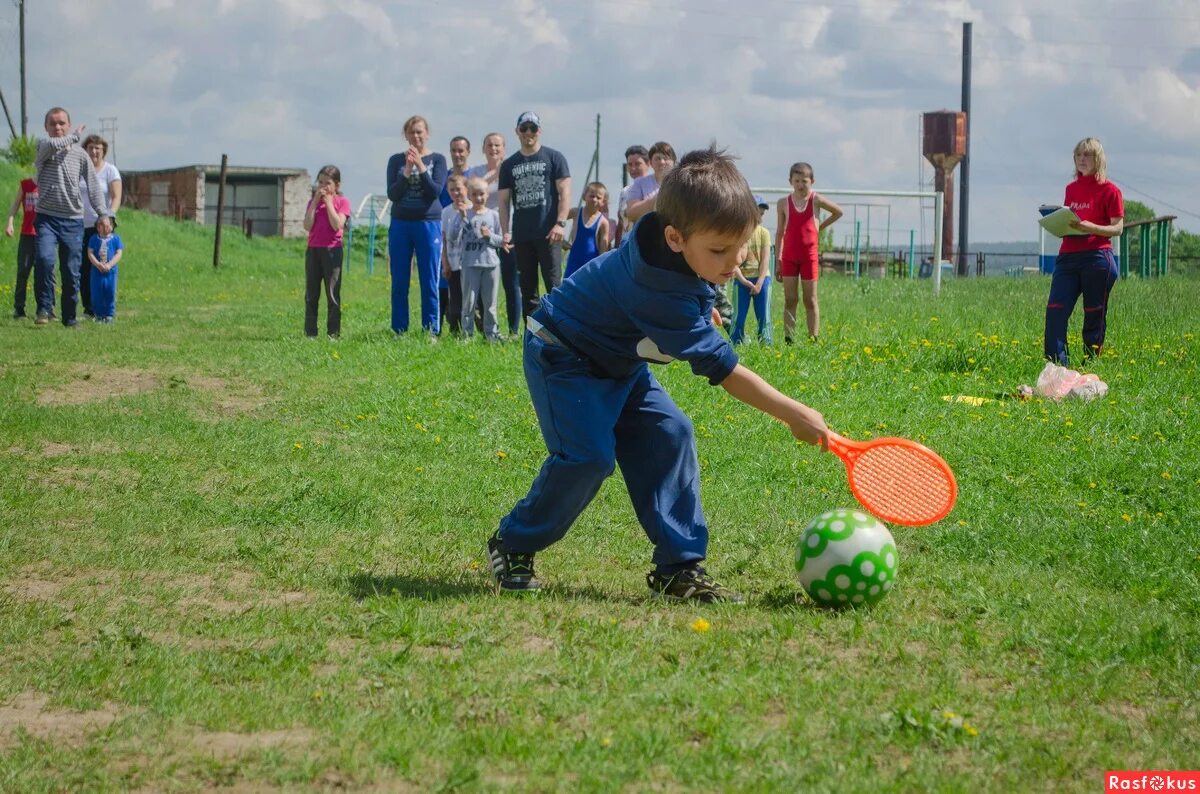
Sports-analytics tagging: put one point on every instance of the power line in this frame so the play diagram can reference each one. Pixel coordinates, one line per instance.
(1127, 186)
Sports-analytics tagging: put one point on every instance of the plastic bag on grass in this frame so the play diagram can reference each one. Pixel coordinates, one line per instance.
(1058, 382)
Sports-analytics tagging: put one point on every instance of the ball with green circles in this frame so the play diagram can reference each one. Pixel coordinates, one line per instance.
(846, 558)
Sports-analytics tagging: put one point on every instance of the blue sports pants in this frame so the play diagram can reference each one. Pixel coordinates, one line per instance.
(760, 302)
(591, 424)
(1088, 273)
(425, 239)
(104, 292)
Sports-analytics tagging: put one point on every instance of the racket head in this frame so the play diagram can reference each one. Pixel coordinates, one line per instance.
(898, 480)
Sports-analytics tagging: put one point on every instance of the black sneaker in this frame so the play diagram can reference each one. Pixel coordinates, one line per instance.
(512, 572)
(42, 319)
(691, 584)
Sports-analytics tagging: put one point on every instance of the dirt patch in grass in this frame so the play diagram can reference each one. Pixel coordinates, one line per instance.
(227, 745)
(52, 449)
(225, 398)
(96, 384)
(30, 712)
(82, 479)
(228, 594)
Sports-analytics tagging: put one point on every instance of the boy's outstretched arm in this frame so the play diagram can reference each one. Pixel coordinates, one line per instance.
(806, 424)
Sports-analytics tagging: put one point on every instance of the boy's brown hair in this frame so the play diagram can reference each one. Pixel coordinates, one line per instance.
(596, 186)
(706, 192)
(456, 178)
(801, 168)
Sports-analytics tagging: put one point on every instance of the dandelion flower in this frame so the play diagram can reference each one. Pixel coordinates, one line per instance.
(701, 625)
(501, 454)
(298, 445)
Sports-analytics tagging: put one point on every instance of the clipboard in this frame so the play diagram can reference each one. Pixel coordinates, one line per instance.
(1057, 220)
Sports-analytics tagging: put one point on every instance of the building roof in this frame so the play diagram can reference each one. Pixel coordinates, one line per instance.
(230, 171)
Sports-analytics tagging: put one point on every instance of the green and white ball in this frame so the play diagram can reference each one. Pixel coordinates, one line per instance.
(846, 558)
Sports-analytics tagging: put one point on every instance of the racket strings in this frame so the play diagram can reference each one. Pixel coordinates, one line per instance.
(902, 484)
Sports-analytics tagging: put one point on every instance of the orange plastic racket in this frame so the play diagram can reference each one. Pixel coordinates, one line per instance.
(897, 480)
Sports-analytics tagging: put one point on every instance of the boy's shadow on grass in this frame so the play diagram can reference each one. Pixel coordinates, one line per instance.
(362, 586)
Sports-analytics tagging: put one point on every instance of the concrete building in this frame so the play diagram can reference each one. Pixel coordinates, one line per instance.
(259, 200)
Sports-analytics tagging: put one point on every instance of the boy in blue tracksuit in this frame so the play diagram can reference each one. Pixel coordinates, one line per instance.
(597, 403)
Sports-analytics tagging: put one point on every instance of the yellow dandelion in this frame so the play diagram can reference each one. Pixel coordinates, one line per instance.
(867, 350)
(334, 355)
(606, 741)
(1126, 517)
(970, 729)
(701, 625)
(501, 454)
(1166, 475)
(1091, 485)
(297, 445)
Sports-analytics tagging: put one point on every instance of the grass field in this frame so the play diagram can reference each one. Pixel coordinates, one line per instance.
(232, 557)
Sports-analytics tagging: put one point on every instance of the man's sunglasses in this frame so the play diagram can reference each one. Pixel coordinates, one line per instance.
(527, 128)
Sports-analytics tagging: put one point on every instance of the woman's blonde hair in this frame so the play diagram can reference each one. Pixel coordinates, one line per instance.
(1093, 147)
(414, 121)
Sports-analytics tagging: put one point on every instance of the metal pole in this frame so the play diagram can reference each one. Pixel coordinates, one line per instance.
(11, 128)
(597, 147)
(938, 206)
(912, 234)
(857, 228)
(965, 166)
(220, 211)
(24, 112)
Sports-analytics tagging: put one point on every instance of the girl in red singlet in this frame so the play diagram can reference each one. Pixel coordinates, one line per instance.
(796, 236)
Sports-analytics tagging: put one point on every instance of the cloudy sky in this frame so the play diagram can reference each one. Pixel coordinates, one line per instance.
(840, 83)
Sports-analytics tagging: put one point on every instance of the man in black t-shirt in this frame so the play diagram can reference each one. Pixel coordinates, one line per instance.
(536, 183)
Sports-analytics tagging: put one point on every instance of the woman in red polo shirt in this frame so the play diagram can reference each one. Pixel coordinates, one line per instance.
(1085, 264)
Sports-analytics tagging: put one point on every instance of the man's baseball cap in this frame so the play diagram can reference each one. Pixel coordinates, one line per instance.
(529, 117)
(761, 202)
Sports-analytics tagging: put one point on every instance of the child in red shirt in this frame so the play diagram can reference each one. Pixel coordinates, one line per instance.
(27, 246)
(1085, 264)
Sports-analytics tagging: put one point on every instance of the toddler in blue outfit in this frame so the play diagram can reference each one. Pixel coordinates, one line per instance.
(598, 404)
(104, 252)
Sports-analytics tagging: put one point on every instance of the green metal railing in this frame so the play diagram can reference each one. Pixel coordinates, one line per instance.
(1154, 246)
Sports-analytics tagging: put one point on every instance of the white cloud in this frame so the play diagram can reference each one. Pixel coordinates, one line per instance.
(305, 82)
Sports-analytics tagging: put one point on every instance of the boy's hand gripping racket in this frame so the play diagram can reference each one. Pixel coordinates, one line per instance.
(897, 480)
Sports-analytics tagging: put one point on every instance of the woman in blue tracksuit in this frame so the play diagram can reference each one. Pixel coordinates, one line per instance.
(415, 179)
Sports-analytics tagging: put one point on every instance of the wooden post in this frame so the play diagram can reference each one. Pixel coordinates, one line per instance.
(220, 210)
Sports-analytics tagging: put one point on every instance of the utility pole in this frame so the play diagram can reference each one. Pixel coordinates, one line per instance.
(964, 195)
(108, 130)
(24, 111)
(220, 211)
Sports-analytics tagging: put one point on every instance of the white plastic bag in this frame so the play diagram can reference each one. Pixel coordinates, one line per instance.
(1057, 382)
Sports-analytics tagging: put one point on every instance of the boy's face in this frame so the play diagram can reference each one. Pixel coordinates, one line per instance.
(801, 181)
(460, 150)
(593, 198)
(478, 196)
(712, 255)
(457, 191)
(661, 164)
(58, 124)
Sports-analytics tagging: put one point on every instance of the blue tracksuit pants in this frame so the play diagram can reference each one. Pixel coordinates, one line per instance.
(104, 292)
(1088, 273)
(761, 302)
(593, 424)
(424, 238)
